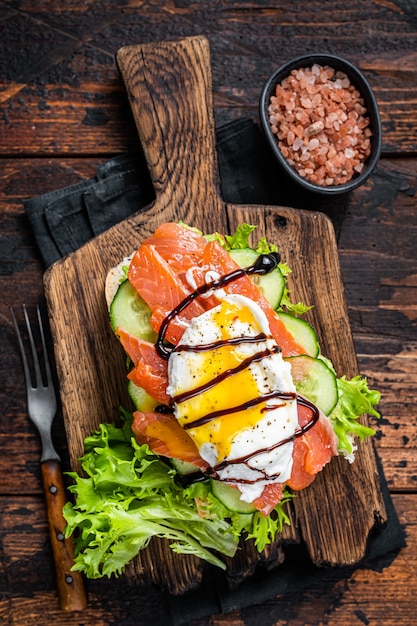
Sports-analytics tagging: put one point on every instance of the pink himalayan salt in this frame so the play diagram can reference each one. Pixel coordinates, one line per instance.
(321, 125)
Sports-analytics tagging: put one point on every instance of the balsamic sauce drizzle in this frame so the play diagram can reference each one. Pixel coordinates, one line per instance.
(202, 347)
(187, 395)
(300, 431)
(240, 407)
(264, 263)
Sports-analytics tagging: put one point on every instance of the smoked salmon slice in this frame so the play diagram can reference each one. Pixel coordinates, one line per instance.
(162, 290)
(164, 435)
(312, 451)
(149, 371)
(270, 497)
(180, 246)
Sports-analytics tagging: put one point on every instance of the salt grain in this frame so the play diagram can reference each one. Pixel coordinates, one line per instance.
(321, 125)
(290, 138)
(315, 128)
(297, 144)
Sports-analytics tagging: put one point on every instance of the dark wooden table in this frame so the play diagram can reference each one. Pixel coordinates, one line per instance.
(64, 111)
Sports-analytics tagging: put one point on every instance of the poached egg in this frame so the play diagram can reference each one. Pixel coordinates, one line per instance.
(233, 393)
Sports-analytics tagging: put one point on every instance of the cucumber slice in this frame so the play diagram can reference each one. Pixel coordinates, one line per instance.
(315, 380)
(302, 332)
(130, 312)
(272, 285)
(140, 398)
(230, 497)
(183, 467)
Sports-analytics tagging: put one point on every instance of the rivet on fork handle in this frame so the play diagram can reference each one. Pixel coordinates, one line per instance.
(70, 584)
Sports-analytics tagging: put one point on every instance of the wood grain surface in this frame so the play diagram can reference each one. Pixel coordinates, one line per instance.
(73, 77)
(169, 88)
(63, 112)
(367, 594)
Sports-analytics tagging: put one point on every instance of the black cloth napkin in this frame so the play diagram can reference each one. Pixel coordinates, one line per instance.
(65, 219)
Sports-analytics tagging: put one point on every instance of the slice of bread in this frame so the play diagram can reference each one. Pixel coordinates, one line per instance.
(114, 277)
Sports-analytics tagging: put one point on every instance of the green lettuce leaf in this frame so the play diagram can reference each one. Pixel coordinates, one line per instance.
(240, 238)
(355, 399)
(129, 495)
(264, 529)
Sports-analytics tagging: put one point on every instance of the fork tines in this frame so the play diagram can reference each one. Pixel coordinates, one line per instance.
(40, 392)
(39, 369)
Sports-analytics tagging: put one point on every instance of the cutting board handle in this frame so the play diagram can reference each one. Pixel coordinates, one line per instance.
(169, 86)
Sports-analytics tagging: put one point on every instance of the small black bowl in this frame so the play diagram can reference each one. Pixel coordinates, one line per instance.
(359, 81)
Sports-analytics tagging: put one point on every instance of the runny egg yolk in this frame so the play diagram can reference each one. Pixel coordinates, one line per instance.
(235, 391)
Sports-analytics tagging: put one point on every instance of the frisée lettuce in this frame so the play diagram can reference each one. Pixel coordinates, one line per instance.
(130, 495)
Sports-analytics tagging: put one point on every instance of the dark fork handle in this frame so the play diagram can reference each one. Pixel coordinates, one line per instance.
(71, 591)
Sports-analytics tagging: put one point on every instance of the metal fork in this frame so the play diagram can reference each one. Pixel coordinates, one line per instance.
(42, 408)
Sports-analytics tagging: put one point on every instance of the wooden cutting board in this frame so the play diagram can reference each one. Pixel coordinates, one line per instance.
(170, 91)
